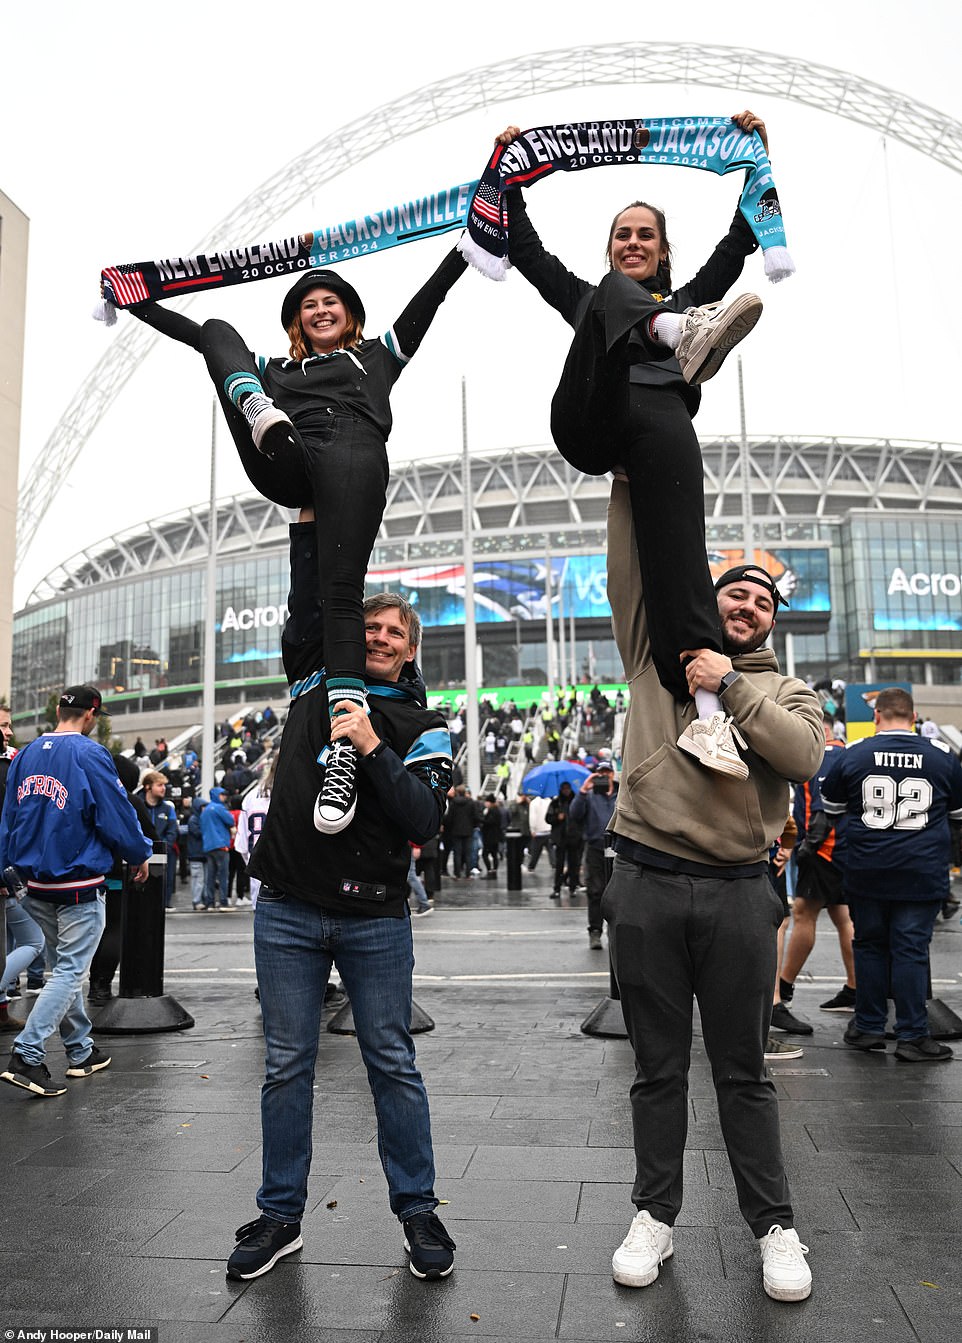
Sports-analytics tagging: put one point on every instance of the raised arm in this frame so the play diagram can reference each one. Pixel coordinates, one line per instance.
(168, 323)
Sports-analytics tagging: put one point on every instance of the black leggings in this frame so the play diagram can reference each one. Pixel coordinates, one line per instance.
(342, 473)
(663, 462)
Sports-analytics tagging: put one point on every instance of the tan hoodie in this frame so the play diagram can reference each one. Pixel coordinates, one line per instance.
(667, 800)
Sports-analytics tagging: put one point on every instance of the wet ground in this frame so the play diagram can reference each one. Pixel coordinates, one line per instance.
(121, 1197)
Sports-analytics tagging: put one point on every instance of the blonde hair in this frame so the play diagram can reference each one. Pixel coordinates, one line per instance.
(300, 349)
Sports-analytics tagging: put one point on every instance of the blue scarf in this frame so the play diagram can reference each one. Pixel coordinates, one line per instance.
(713, 144)
(710, 143)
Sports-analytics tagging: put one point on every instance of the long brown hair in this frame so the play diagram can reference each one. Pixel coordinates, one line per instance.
(663, 273)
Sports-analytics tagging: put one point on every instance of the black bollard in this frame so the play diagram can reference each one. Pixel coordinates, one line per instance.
(514, 856)
(142, 1007)
(607, 1019)
(944, 1024)
(342, 1022)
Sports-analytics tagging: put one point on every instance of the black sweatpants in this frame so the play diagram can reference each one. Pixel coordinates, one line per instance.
(674, 939)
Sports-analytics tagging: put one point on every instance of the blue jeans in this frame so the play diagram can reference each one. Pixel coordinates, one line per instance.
(416, 887)
(295, 945)
(217, 863)
(72, 934)
(198, 880)
(891, 950)
(27, 944)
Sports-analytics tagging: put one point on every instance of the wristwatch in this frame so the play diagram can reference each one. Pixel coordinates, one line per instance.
(728, 679)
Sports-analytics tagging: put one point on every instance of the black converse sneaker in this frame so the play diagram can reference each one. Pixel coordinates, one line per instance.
(430, 1247)
(271, 429)
(33, 1077)
(337, 800)
(259, 1246)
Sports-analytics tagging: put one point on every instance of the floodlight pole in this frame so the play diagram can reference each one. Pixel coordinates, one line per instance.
(471, 725)
(210, 616)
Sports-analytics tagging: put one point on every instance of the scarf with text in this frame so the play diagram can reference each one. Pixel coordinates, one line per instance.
(714, 144)
(710, 143)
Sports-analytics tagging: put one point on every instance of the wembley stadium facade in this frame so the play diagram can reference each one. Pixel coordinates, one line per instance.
(864, 536)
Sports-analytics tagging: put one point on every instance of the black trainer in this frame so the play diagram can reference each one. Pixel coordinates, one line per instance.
(429, 1245)
(95, 1062)
(923, 1050)
(844, 1001)
(783, 1020)
(259, 1246)
(862, 1039)
(33, 1077)
(337, 800)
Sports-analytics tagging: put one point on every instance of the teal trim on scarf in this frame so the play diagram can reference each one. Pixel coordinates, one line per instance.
(713, 144)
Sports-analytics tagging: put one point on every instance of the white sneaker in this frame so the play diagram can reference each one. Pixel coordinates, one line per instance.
(271, 428)
(641, 1254)
(708, 334)
(337, 800)
(712, 742)
(785, 1274)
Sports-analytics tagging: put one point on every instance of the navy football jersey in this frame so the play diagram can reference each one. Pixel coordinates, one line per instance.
(899, 791)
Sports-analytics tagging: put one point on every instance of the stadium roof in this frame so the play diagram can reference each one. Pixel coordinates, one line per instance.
(532, 490)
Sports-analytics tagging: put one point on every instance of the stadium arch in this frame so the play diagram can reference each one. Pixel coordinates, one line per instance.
(823, 87)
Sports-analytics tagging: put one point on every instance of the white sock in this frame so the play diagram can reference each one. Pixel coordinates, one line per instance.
(666, 327)
(707, 703)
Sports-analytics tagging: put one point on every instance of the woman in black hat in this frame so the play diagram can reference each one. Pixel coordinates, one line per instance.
(311, 430)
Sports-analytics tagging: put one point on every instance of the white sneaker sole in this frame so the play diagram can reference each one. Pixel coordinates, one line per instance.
(432, 1274)
(332, 823)
(266, 1268)
(780, 1293)
(83, 1071)
(17, 1080)
(734, 770)
(739, 319)
(626, 1278)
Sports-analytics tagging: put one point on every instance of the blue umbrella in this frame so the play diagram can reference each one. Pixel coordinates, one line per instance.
(545, 780)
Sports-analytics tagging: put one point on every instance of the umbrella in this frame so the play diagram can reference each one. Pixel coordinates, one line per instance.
(545, 780)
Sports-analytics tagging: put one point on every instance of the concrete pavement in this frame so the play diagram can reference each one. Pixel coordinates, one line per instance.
(121, 1198)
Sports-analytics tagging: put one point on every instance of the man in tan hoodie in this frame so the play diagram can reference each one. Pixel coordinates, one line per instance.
(690, 910)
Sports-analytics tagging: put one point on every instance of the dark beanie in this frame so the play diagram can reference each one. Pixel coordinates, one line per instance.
(320, 279)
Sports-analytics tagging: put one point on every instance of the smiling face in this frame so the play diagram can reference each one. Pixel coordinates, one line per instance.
(637, 245)
(747, 614)
(388, 643)
(325, 320)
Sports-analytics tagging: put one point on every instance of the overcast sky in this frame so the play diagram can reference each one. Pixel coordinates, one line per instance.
(129, 131)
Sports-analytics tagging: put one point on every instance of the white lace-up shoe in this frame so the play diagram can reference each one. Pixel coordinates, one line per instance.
(712, 742)
(712, 332)
(641, 1254)
(271, 428)
(785, 1274)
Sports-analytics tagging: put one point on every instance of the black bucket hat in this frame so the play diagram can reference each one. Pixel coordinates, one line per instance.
(320, 279)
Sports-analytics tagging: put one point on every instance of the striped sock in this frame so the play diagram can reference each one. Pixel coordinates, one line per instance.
(345, 687)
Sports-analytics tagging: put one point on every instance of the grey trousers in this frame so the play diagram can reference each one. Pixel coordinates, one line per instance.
(678, 939)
